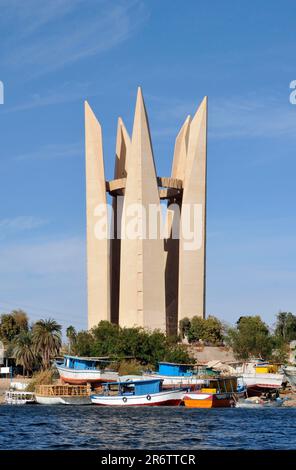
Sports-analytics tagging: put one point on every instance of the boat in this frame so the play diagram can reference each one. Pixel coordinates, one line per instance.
(138, 393)
(83, 370)
(219, 393)
(63, 394)
(259, 402)
(290, 373)
(173, 374)
(13, 397)
(259, 376)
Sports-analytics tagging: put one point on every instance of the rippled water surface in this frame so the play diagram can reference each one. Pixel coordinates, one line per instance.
(88, 427)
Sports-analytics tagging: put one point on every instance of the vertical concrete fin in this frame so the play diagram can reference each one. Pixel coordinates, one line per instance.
(123, 144)
(172, 231)
(193, 220)
(142, 289)
(98, 277)
(180, 151)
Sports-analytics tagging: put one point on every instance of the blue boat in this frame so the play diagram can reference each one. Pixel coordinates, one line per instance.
(172, 373)
(83, 370)
(137, 393)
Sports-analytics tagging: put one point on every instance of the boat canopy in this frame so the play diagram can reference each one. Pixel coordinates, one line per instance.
(139, 387)
(84, 363)
(174, 369)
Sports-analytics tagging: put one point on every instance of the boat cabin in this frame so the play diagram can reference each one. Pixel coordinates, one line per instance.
(137, 387)
(220, 385)
(174, 369)
(84, 363)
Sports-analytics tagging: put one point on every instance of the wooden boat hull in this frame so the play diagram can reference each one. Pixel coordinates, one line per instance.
(82, 377)
(56, 400)
(165, 398)
(208, 400)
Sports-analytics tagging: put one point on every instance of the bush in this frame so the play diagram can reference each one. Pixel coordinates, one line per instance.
(206, 329)
(43, 377)
(132, 367)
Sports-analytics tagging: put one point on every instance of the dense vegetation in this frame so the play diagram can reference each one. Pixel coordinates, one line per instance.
(252, 337)
(34, 346)
(147, 347)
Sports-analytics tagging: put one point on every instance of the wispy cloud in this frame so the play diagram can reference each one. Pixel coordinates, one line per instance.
(41, 39)
(233, 117)
(20, 224)
(53, 151)
(251, 117)
(67, 93)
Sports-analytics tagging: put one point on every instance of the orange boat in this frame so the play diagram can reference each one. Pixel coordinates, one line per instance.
(219, 394)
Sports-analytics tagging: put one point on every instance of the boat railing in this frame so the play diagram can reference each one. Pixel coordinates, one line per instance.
(63, 390)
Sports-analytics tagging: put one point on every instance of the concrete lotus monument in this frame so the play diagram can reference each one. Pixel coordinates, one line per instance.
(146, 269)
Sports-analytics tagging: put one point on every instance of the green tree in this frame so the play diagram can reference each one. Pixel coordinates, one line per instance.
(251, 337)
(197, 329)
(11, 324)
(72, 336)
(206, 329)
(47, 340)
(21, 319)
(106, 339)
(84, 344)
(184, 327)
(285, 329)
(23, 351)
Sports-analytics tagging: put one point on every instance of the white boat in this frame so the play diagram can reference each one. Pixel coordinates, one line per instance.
(13, 397)
(263, 380)
(257, 402)
(138, 393)
(259, 375)
(173, 374)
(63, 395)
(290, 373)
(83, 370)
(63, 400)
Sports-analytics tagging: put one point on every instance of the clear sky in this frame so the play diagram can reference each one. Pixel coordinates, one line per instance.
(54, 54)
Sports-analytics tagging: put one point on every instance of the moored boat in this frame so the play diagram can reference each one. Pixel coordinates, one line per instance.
(137, 393)
(13, 397)
(290, 373)
(63, 395)
(258, 402)
(259, 376)
(173, 374)
(84, 370)
(219, 393)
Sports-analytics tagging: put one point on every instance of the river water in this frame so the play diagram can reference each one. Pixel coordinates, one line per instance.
(170, 428)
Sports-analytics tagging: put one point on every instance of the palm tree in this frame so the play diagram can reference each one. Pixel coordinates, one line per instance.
(47, 339)
(23, 351)
(71, 335)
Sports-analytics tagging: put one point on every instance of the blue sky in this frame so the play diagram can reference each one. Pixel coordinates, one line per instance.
(54, 54)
